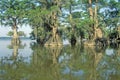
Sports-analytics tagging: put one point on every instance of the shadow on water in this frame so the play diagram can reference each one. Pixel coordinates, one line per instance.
(62, 63)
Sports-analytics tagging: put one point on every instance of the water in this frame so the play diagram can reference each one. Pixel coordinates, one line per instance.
(29, 61)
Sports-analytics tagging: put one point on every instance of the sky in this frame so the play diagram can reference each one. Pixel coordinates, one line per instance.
(4, 30)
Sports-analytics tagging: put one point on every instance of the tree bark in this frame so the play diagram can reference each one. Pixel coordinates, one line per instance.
(95, 20)
(97, 31)
(90, 9)
(91, 18)
(15, 39)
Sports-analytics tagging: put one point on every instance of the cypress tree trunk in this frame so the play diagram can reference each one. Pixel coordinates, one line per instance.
(91, 34)
(55, 39)
(15, 39)
(90, 9)
(97, 31)
(96, 20)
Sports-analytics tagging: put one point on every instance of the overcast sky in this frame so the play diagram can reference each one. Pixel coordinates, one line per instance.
(5, 30)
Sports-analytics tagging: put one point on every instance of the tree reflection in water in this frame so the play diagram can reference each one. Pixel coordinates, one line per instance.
(63, 63)
(45, 62)
(10, 65)
(88, 64)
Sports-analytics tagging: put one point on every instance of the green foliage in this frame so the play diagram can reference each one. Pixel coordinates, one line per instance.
(10, 33)
(76, 14)
(42, 15)
(111, 15)
(13, 11)
(20, 33)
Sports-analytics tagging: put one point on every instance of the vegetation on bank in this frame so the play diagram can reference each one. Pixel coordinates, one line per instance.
(55, 20)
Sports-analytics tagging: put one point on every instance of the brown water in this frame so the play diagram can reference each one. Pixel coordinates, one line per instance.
(29, 61)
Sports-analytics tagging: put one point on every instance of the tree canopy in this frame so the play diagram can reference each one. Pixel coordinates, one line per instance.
(81, 18)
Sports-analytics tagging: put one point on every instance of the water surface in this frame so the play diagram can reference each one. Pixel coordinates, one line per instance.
(29, 61)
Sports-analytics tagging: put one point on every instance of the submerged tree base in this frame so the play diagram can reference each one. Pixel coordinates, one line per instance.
(54, 41)
(15, 41)
(89, 43)
(53, 44)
